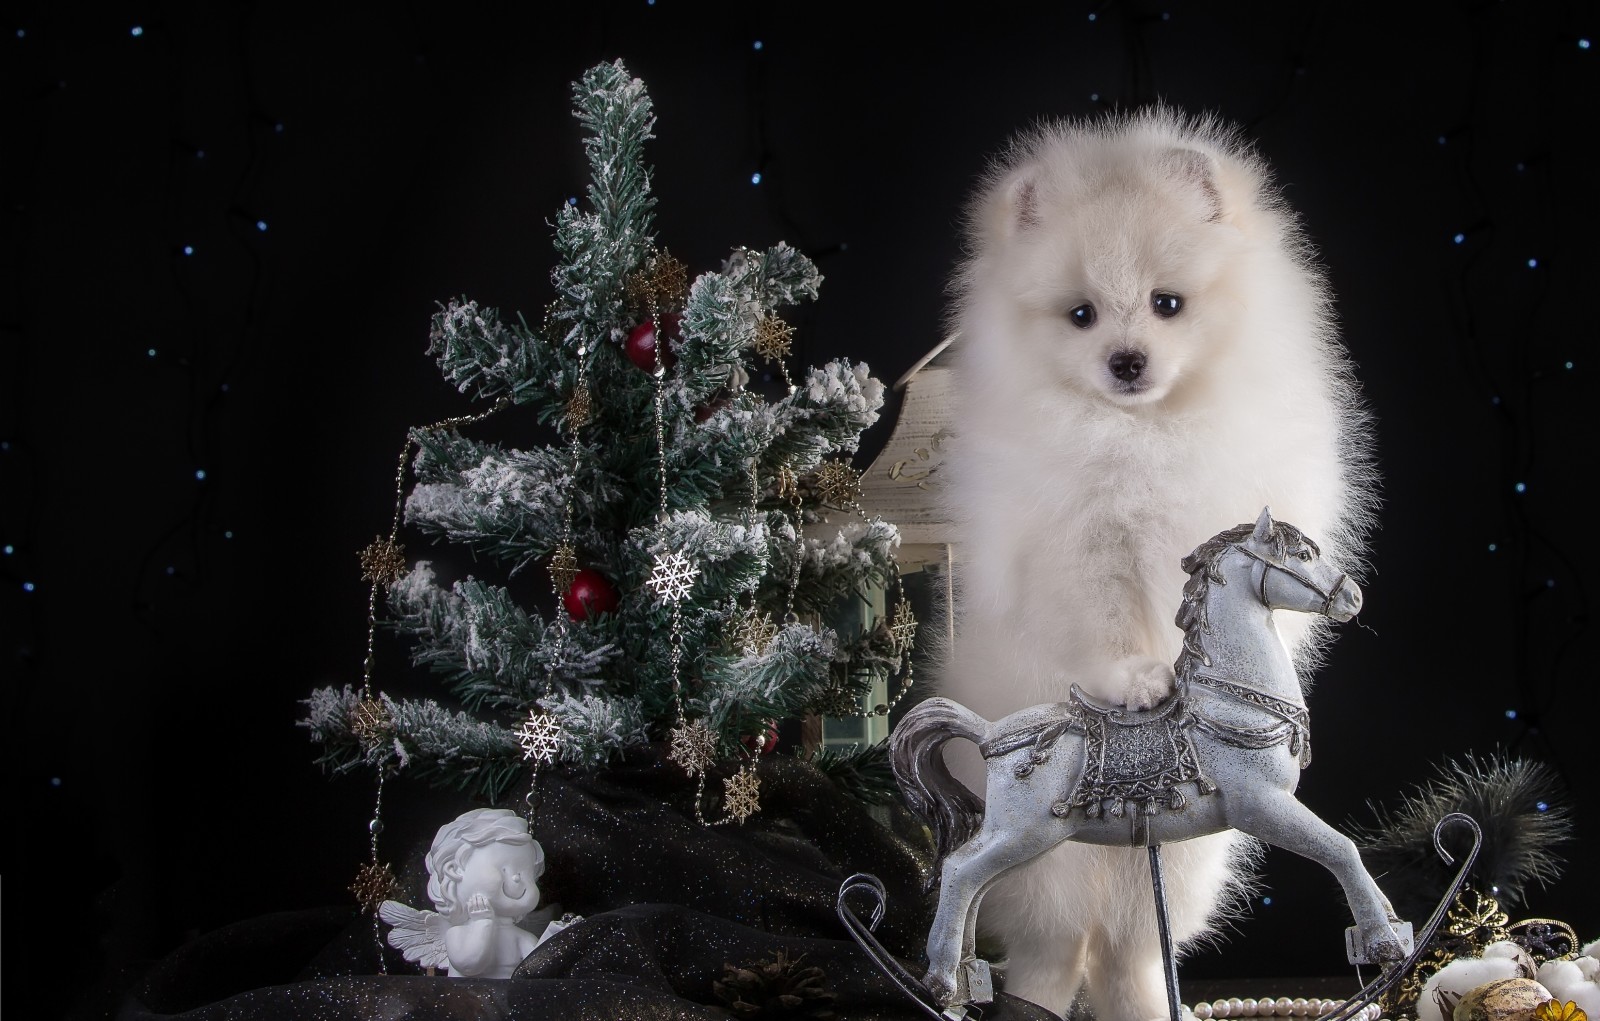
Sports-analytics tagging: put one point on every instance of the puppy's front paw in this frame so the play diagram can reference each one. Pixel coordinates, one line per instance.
(1143, 682)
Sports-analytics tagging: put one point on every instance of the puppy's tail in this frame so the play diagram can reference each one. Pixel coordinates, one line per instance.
(916, 753)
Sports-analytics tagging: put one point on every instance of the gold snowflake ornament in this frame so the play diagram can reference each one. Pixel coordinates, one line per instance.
(660, 286)
(580, 407)
(837, 702)
(563, 567)
(371, 722)
(693, 746)
(839, 484)
(373, 885)
(672, 577)
(753, 631)
(741, 794)
(773, 337)
(540, 737)
(383, 561)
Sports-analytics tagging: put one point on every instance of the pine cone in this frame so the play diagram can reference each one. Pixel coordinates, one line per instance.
(779, 988)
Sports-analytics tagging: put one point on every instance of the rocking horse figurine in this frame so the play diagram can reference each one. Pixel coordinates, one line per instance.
(1224, 751)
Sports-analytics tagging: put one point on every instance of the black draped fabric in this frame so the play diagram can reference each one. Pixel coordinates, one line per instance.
(670, 908)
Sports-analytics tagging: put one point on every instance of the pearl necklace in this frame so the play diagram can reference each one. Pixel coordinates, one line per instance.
(1282, 1006)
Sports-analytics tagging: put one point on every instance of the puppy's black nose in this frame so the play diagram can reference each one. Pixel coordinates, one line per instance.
(1126, 365)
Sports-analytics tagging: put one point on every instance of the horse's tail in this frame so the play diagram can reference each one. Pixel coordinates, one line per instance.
(915, 752)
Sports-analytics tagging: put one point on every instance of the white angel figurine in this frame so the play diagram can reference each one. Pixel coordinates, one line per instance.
(482, 876)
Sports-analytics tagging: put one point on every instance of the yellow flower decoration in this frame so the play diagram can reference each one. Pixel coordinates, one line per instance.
(1555, 1010)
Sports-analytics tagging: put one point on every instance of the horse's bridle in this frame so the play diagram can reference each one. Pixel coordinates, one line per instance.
(1266, 566)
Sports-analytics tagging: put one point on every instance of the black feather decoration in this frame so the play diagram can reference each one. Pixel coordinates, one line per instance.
(1519, 804)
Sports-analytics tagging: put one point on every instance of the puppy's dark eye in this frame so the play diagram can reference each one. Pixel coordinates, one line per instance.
(1166, 304)
(1082, 316)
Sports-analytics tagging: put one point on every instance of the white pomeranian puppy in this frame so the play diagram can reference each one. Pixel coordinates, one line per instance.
(1145, 355)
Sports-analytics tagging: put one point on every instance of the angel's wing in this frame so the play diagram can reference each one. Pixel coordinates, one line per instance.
(418, 935)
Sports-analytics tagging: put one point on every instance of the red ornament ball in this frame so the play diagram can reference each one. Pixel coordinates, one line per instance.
(641, 346)
(589, 594)
(769, 741)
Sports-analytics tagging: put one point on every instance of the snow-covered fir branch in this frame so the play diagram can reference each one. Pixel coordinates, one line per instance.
(479, 354)
(424, 737)
(829, 410)
(860, 549)
(773, 684)
(493, 652)
(618, 118)
(594, 730)
(599, 247)
(729, 556)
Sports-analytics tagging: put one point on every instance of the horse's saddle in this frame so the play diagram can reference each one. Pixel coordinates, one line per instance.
(1140, 757)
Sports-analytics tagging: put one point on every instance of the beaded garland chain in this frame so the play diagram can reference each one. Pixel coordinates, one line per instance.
(1267, 1006)
(382, 564)
(839, 485)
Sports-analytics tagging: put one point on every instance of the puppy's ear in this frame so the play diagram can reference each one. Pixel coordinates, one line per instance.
(1020, 202)
(1194, 170)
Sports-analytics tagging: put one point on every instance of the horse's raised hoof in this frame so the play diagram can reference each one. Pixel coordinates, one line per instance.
(1390, 943)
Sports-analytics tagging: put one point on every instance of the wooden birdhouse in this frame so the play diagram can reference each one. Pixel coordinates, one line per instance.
(900, 486)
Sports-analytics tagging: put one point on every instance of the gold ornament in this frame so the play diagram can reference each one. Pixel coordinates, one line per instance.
(373, 885)
(753, 631)
(741, 794)
(773, 337)
(788, 484)
(839, 484)
(563, 567)
(693, 746)
(383, 561)
(660, 286)
(580, 407)
(1555, 1010)
(837, 702)
(540, 737)
(672, 577)
(903, 628)
(1473, 922)
(371, 722)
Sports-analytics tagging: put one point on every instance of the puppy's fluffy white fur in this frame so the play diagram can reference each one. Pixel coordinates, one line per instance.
(1093, 450)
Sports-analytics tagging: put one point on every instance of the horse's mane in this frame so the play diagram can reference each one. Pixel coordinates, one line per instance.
(1201, 566)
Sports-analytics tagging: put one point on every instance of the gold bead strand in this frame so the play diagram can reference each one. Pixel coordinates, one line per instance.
(382, 563)
(693, 746)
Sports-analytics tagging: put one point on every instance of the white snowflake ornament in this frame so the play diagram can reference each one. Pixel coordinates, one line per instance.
(672, 577)
(540, 737)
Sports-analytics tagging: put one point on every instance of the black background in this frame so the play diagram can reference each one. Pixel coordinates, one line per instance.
(158, 783)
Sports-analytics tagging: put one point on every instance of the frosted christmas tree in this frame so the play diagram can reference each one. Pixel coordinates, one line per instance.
(683, 518)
